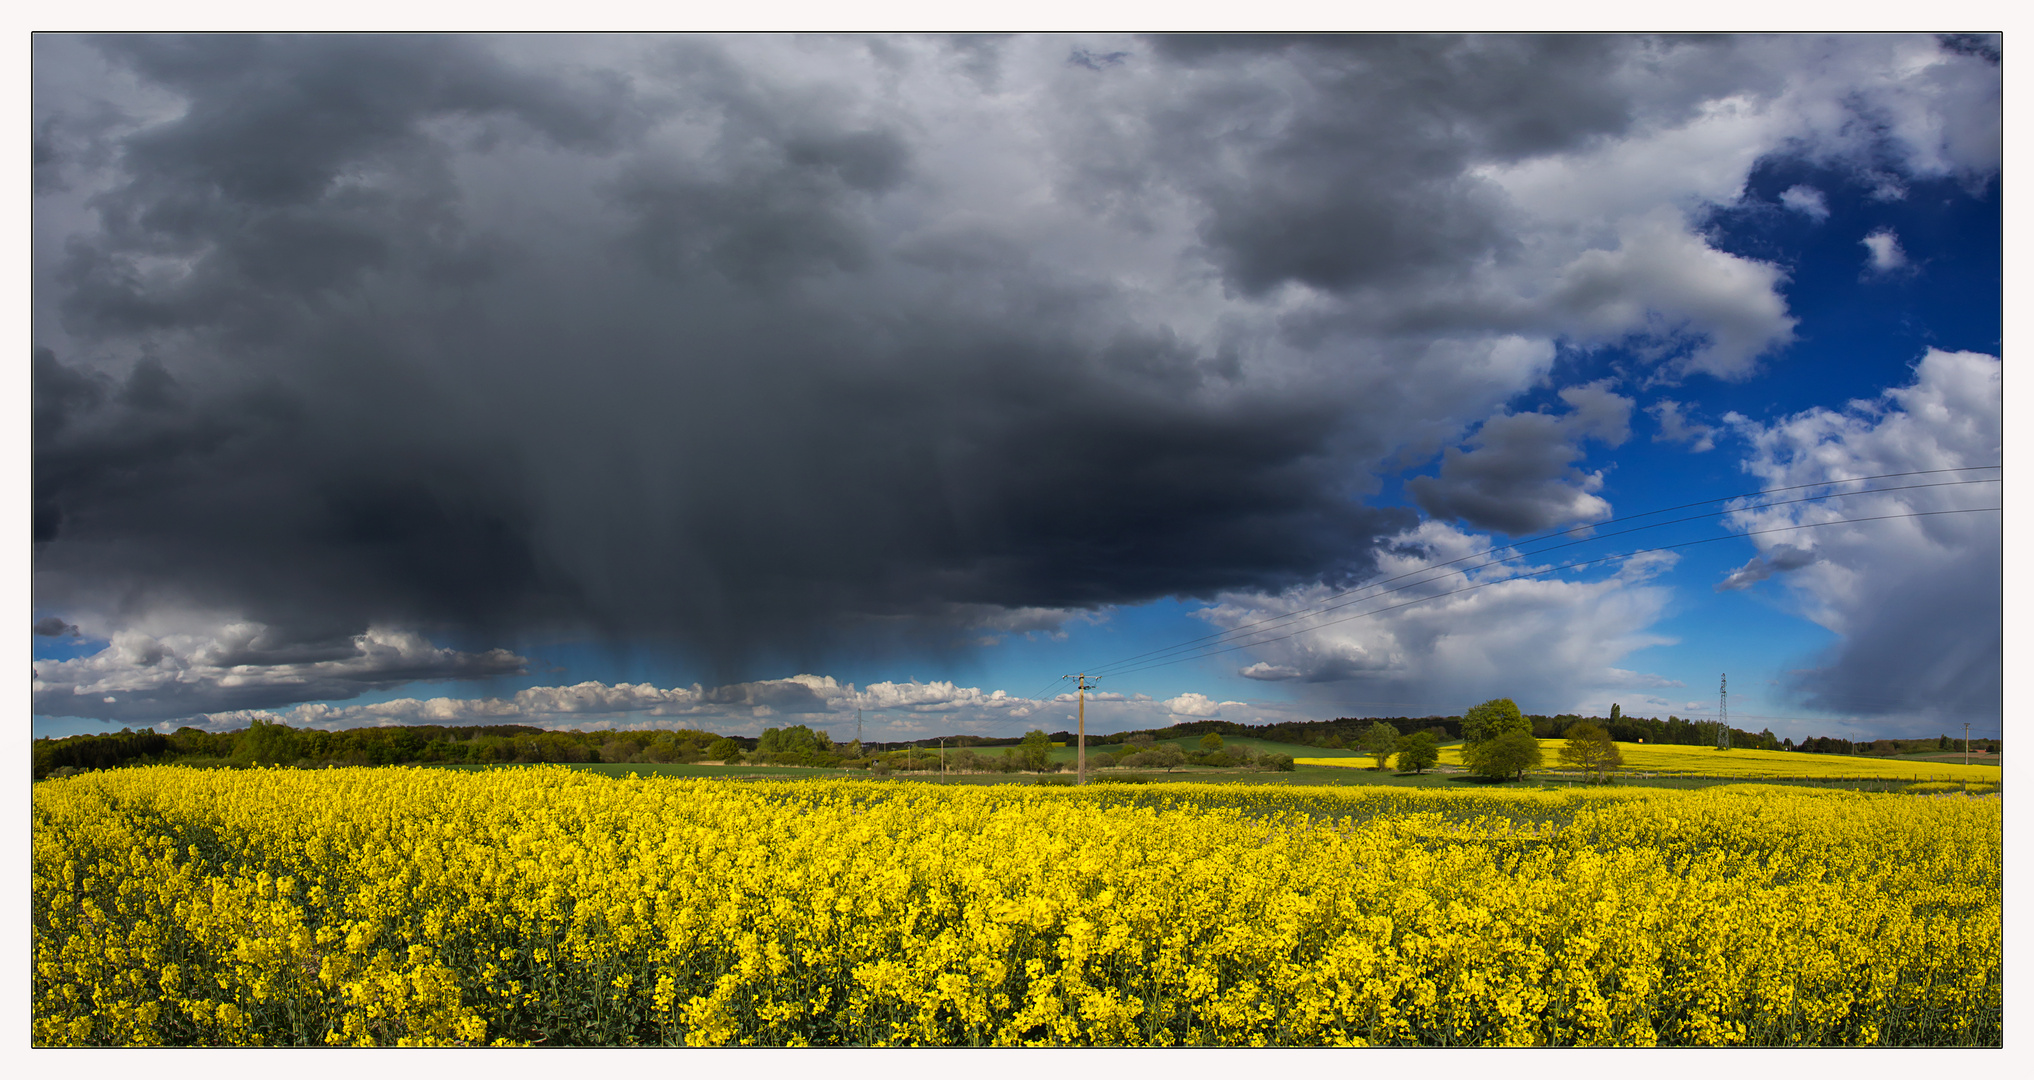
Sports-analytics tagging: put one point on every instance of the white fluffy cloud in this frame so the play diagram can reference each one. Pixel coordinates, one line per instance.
(1198, 706)
(1548, 642)
(941, 697)
(1914, 600)
(1666, 290)
(1883, 251)
(588, 704)
(1677, 427)
(1803, 199)
(888, 709)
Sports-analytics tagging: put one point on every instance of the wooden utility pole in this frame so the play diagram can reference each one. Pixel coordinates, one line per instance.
(1966, 743)
(1082, 684)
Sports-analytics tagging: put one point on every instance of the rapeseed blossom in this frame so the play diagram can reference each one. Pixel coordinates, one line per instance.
(549, 907)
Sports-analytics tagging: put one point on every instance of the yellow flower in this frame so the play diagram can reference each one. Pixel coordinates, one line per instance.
(422, 907)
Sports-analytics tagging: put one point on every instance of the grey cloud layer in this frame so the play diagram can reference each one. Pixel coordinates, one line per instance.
(1521, 476)
(767, 342)
(143, 676)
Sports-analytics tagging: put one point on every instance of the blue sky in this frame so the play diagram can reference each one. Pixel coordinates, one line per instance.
(738, 382)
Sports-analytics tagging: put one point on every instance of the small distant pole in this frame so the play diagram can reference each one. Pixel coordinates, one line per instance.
(1082, 684)
(942, 759)
(1966, 742)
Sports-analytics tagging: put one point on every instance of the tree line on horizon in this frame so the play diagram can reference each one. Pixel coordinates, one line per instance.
(272, 743)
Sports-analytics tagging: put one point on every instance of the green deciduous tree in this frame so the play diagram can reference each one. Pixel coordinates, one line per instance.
(1590, 749)
(795, 745)
(1508, 756)
(725, 749)
(267, 743)
(1417, 752)
(1211, 742)
(1380, 741)
(1036, 750)
(1493, 718)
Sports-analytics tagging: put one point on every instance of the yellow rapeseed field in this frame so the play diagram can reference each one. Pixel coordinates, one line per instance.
(1737, 764)
(544, 906)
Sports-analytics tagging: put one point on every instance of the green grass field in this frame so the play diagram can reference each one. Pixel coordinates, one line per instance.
(1691, 762)
(1684, 767)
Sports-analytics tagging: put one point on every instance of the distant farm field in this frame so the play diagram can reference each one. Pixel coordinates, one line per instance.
(1640, 758)
(548, 906)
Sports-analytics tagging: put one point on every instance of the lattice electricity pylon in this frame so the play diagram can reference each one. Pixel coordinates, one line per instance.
(1723, 713)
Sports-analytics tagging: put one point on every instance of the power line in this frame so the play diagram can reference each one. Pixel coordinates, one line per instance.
(1538, 573)
(1039, 694)
(1325, 604)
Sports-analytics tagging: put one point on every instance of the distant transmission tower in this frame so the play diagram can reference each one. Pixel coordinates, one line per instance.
(1723, 713)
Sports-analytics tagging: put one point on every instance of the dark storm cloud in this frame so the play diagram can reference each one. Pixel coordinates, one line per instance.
(1941, 659)
(299, 166)
(760, 344)
(248, 498)
(772, 193)
(1988, 46)
(1357, 178)
(669, 439)
(763, 222)
(274, 120)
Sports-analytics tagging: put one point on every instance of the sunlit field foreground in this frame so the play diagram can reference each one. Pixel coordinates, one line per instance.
(1745, 764)
(544, 906)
